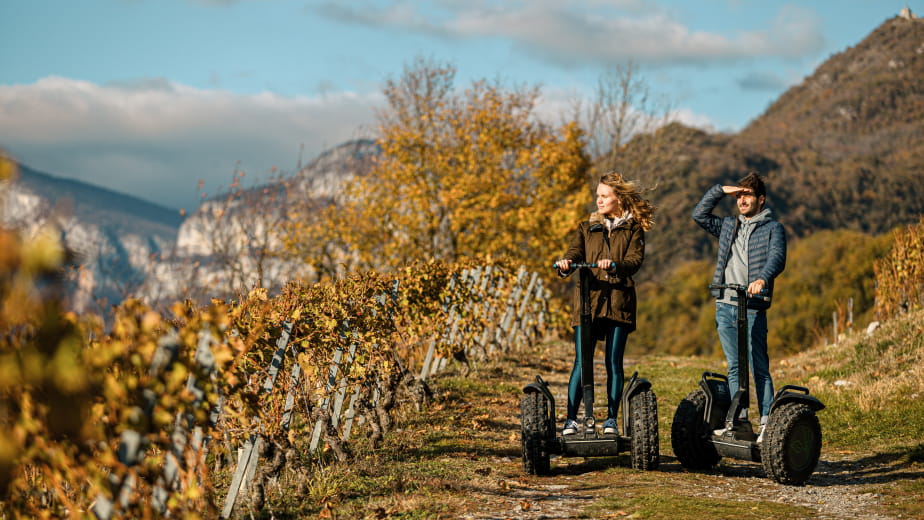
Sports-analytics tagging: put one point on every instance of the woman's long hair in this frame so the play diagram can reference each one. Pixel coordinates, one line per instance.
(630, 199)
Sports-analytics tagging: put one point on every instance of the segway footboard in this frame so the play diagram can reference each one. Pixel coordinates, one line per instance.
(737, 449)
(592, 446)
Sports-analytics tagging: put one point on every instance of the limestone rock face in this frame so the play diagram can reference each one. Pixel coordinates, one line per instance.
(127, 247)
(115, 238)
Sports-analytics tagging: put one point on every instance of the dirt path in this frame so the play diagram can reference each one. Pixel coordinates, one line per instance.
(844, 486)
(838, 490)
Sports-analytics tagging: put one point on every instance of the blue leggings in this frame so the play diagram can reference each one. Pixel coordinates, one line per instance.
(615, 347)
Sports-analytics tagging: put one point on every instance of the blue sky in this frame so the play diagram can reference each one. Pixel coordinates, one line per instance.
(148, 97)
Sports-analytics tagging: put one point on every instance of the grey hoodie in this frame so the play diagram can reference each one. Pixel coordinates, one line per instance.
(736, 271)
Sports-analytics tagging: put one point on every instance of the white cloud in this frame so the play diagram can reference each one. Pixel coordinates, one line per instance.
(169, 136)
(690, 118)
(556, 105)
(596, 32)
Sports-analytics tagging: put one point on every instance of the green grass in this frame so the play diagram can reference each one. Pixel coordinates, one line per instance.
(845, 427)
(678, 507)
(872, 387)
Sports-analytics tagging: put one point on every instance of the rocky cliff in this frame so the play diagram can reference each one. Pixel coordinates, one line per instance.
(116, 238)
(234, 240)
(125, 246)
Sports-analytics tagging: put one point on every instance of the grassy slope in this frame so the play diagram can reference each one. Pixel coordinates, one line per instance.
(460, 457)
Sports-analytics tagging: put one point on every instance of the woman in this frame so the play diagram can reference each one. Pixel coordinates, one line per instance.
(614, 239)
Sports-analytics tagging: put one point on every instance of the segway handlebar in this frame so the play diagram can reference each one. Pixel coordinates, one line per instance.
(737, 287)
(578, 265)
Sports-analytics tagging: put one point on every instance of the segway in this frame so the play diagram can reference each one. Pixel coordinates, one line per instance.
(639, 416)
(709, 423)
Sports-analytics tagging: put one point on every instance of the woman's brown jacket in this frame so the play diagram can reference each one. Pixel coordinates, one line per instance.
(612, 292)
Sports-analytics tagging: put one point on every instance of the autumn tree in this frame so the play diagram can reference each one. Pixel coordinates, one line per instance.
(231, 244)
(460, 174)
(241, 226)
(900, 273)
(624, 109)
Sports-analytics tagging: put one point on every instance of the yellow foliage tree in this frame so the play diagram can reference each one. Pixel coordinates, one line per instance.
(459, 175)
(900, 275)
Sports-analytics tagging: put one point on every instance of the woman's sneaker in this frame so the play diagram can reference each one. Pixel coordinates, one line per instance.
(609, 427)
(571, 427)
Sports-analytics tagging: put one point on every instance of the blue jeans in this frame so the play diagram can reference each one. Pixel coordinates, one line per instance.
(614, 339)
(726, 317)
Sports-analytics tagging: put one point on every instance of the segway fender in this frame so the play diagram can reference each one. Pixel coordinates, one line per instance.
(635, 385)
(799, 394)
(718, 398)
(541, 387)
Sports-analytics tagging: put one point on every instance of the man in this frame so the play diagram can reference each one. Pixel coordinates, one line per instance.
(752, 252)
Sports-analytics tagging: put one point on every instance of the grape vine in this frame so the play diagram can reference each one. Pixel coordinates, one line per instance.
(145, 419)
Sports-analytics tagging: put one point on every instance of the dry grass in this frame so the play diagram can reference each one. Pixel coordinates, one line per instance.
(872, 384)
(876, 368)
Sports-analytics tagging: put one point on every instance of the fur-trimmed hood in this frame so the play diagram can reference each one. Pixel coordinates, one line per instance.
(596, 219)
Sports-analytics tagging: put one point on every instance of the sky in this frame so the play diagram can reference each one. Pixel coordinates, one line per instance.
(152, 97)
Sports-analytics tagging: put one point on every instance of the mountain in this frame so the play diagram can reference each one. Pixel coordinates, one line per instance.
(116, 237)
(126, 246)
(323, 176)
(848, 141)
(844, 149)
(227, 245)
(90, 203)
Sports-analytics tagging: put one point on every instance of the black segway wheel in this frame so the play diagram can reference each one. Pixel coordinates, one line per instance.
(791, 444)
(689, 433)
(643, 433)
(534, 433)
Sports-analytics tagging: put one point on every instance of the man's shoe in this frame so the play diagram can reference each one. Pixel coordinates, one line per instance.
(737, 427)
(763, 427)
(571, 427)
(609, 427)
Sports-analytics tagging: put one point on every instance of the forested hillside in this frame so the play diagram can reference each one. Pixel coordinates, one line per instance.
(844, 149)
(847, 142)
